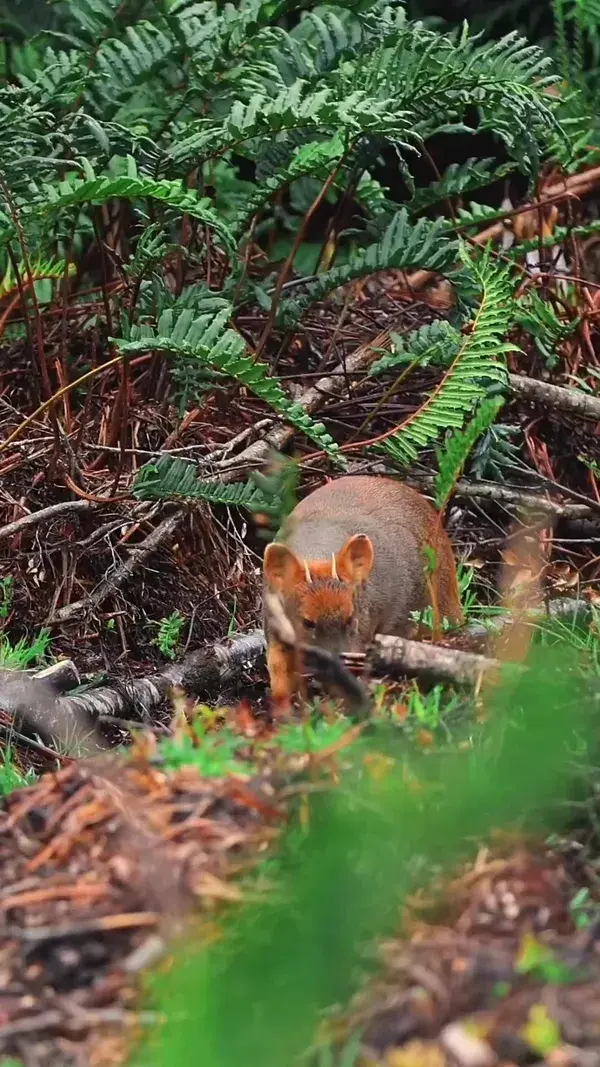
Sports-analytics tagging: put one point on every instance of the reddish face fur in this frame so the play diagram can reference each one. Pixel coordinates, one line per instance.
(322, 610)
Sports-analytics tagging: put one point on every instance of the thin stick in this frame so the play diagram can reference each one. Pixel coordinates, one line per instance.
(56, 397)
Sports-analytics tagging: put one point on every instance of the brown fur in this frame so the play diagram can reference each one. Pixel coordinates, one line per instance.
(361, 540)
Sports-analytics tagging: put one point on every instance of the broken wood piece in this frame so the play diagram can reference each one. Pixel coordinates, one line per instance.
(432, 662)
(556, 396)
(62, 675)
(70, 721)
(33, 702)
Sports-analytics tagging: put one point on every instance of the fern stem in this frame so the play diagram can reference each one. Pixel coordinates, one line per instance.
(387, 395)
(48, 404)
(287, 266)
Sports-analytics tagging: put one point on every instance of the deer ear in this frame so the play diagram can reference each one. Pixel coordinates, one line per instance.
(282, 568)
(355, 560)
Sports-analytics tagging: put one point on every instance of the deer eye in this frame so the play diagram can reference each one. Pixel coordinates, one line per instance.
(309, 624)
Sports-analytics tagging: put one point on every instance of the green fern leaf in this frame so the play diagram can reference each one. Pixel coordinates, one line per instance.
(124, 61)
(327, 110)
(314, 157)
(456, 450)
(95, 17)
(458, 179)
(479, 362)
(405, 245)
(40, 268)
(170, 478)
(435, 342)
(208, 338)
(101, 190)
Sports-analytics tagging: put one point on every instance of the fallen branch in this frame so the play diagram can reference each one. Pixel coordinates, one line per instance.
(522, 498)
(556, 396)
(33, 702)
(70, 721)
(36, 517)
(533, 503)
(201, 673)
(62, 675)
(431, 662)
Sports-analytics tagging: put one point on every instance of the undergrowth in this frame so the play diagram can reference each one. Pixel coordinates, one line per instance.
(396, 814)
(11, 777)
(180, 142)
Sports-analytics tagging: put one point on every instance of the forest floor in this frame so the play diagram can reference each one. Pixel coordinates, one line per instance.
(124, 587)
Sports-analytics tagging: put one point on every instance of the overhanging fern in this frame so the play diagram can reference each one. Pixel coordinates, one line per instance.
(458, 179)
(456, 450)
(479, 362)
(40, 269)
(405, 245)
(435, 342)
(170, 478)
(208, 338)
(101, 190)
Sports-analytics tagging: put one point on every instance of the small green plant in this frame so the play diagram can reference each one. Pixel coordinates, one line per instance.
(540, 962)
(310, 736)
(23, 653)
(232, 626)
(429, 708)
(169, 632)
(214, 753)
(326, 1055)
(425, 619)
(11, 777)
(6, 595)
(583, 635)
(468, 596)
(584, 910)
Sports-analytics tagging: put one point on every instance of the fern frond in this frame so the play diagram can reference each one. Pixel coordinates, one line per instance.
(101, 190)
(312, 158)
(479, 362)
(208, 338)
(95, 18)
(170, 478)
(435, 342)
(458, 179)
(40, 269)
(327, 110)
(122, 62)
(453, 456)
(405, 245)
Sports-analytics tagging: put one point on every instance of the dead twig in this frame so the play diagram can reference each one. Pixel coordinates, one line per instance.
(532, 502)
(327, 388)
(114, 580)
(45, 514)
